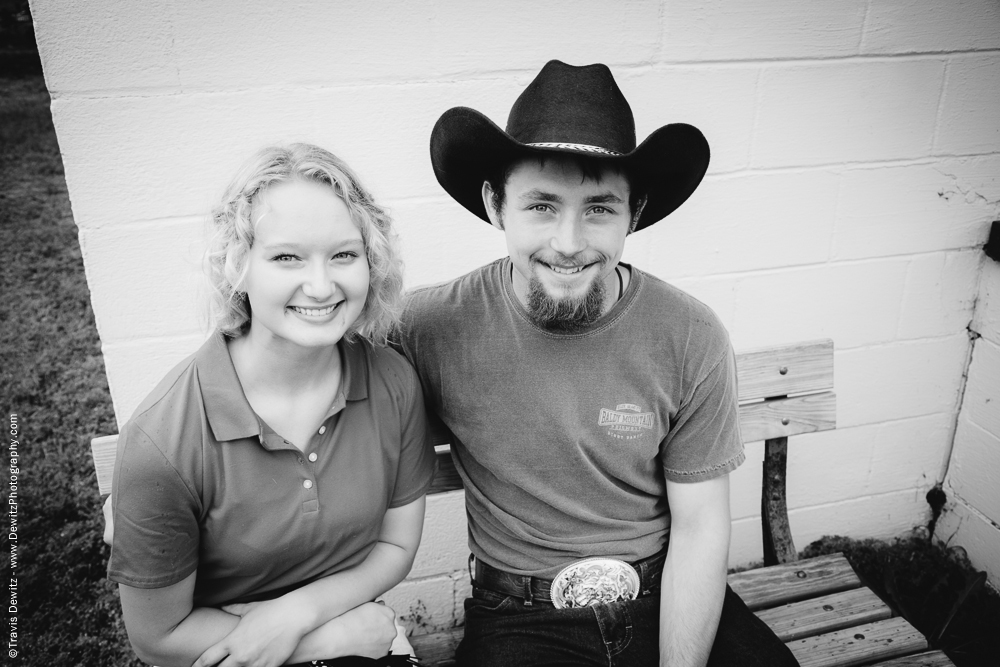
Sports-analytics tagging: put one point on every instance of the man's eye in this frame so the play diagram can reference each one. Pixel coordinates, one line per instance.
(601, 210)
(540, 208)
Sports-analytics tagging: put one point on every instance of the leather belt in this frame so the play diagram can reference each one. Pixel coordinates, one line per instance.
(535, 589)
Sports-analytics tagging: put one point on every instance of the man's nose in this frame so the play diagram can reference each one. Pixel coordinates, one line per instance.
(568, 238)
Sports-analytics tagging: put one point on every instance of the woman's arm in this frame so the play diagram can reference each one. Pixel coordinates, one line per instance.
(288, 622)
(163, 634)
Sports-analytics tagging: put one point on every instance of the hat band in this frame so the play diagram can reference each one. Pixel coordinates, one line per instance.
(574, 147)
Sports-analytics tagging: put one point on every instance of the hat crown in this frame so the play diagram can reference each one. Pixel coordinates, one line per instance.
(573, 105)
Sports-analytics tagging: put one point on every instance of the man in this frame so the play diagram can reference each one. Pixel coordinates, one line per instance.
(592, 407)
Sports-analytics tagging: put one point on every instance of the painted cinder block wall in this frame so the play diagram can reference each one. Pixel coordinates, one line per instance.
(856, 147)
(972, 519)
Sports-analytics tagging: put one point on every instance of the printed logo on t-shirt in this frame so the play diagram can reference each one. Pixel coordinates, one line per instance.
(626, 421)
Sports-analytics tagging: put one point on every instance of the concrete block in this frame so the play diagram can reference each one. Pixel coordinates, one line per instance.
(974, 473)
(194, 45)
(899, 26)
(105, 44)
(895, 210)
(718, 100)
(444, 543)
(869, 460)
(853, 303)
(424, 605)
(441, 240)
(981, 403)
(986, 321)
(899, 380)
(884, 517)
(940, 294)
(142, 158)
(719, 30)
(308, 43)
(135, 368)
(847, 112)
(970, 106)
(746, 223)
(146, 280)
(962, 526)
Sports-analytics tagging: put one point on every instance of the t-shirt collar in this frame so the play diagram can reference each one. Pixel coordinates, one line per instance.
(226, 406)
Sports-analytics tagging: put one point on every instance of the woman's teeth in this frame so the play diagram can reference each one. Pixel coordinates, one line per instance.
(314, 312)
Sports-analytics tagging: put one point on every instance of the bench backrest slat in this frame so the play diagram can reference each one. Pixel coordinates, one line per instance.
(808, 368)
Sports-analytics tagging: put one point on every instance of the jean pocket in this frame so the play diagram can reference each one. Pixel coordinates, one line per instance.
(488, 602)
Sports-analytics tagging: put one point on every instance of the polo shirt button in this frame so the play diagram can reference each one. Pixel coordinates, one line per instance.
(313, 457)
(308, 483)
(322, 430)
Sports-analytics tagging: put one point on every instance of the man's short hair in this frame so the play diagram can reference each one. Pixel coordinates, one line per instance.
(233, 230)
(592, 168)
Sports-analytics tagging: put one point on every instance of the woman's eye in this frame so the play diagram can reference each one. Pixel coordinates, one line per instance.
(284, 258)
(347, 254)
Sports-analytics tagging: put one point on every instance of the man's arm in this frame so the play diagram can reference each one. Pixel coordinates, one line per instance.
(694, 575)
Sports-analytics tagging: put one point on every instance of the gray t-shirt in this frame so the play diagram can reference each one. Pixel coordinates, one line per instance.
(565, 441)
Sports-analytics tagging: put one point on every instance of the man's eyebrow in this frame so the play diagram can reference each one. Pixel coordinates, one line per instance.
(606, 198)
(539, 195)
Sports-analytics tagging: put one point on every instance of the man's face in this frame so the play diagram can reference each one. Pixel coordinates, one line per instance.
(565, 234)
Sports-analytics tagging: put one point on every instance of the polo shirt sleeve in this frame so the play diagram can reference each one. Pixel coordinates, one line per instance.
(416, 458)
(156, 529)
(704, 441)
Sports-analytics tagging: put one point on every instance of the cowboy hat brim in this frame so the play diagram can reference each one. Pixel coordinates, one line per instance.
(467, 148)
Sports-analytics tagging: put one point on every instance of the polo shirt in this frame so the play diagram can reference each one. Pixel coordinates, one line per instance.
(202, 484)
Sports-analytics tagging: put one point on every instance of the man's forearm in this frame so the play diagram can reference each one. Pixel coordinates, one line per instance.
(693, 586)
(692, 591)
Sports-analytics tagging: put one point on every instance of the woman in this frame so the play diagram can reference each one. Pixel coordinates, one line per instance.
(273, 484)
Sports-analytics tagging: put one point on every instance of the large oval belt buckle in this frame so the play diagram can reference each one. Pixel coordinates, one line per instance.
(594, 581)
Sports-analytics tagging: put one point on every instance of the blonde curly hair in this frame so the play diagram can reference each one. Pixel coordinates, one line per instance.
(232, 235)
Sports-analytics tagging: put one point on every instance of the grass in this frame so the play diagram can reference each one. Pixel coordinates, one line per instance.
(53, 378)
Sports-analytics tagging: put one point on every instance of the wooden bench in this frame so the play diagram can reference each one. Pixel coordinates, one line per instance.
(818, 606)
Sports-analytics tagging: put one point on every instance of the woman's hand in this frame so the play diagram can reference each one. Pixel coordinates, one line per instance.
(369, 631)
(266, 636)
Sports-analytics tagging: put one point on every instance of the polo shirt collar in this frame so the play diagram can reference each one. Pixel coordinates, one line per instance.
(226, 406)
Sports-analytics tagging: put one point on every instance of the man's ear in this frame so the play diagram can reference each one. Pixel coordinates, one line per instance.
(495, 218)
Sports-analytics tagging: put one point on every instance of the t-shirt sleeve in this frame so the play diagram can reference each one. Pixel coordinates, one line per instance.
(704, 440)
(416, 458)
(156, 528)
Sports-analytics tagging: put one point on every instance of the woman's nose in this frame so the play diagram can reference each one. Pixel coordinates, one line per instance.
(319, 284)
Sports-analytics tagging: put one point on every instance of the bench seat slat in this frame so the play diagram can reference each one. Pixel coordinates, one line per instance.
(791, 582)
(929, 659)
(808, 368)
(859, 645)
(805, 414)
(825, 614)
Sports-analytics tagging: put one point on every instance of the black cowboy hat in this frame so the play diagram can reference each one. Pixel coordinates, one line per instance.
(574, 110)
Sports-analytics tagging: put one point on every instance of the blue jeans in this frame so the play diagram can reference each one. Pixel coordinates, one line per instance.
(501, 631)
